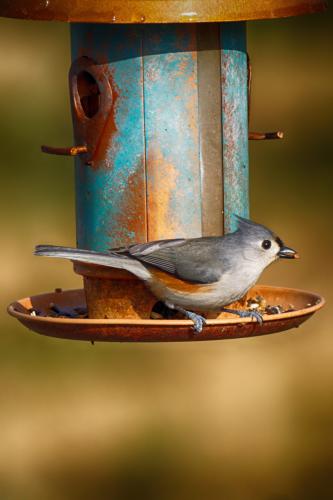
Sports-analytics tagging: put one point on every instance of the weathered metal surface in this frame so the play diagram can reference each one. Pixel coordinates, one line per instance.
(234, 77)
(110, 189)
(114, 293)
(118, 298)
(93, 103)
(263, 136)
(146, 103)
(209, 95)
(157, 11)
(171, 131)
(70, 151)
(133, 330)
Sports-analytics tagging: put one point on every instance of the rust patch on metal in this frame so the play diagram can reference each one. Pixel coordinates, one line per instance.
(263, 136)
(114, 293)
(102, 272)
(111, 299)
(161, 183)
(95, 132)
(70, 151)
(131, 216)
(109, 128)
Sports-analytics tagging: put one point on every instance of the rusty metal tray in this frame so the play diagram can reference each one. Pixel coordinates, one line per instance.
(134, 330)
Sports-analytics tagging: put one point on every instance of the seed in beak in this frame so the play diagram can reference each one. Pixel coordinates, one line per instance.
(288, 253)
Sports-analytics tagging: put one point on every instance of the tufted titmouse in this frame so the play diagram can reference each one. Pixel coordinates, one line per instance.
(198, 274)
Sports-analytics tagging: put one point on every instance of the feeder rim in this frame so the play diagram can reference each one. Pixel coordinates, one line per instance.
(320, 302)
(157, 11)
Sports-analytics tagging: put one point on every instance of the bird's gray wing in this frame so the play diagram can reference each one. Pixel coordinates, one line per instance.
(156, 253)
(195, 260)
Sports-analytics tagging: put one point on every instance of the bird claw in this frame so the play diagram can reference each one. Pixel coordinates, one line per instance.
(247, 314)
(253, 314)
(198, 321)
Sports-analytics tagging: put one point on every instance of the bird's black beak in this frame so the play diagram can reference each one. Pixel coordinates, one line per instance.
(288, 253)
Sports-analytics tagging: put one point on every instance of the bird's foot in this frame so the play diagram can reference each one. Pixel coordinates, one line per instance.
(245, 314)
(198, 321)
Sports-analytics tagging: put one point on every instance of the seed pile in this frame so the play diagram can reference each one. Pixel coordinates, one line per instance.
(160, 311)
(259, 304)
(56, 311)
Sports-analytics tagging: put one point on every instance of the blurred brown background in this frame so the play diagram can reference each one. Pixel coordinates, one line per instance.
(239, 420)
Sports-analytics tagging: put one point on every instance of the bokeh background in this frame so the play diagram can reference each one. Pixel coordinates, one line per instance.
(232, 420)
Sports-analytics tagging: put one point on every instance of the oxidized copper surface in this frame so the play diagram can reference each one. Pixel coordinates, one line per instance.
(70, 151)
(157, 11)
(93, 131)
(111, 299)
(149, 330)
(114, 293)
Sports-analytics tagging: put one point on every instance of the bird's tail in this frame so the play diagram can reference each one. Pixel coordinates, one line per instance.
(103, 259)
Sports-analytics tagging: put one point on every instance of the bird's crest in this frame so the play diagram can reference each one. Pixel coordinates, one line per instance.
(244, 223)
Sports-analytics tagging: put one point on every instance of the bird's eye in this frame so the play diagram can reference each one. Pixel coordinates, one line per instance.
(266, 244)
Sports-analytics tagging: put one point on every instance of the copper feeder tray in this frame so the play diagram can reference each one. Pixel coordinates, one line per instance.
(168, 330)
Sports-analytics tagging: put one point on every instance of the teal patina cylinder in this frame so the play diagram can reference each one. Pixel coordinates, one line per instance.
(162, 110)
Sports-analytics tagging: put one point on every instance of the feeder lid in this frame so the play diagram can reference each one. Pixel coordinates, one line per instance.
(157, 11)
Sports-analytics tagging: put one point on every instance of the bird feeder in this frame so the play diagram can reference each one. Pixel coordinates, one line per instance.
(160, 105)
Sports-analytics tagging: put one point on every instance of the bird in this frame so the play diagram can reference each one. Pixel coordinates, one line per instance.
(196, 274)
